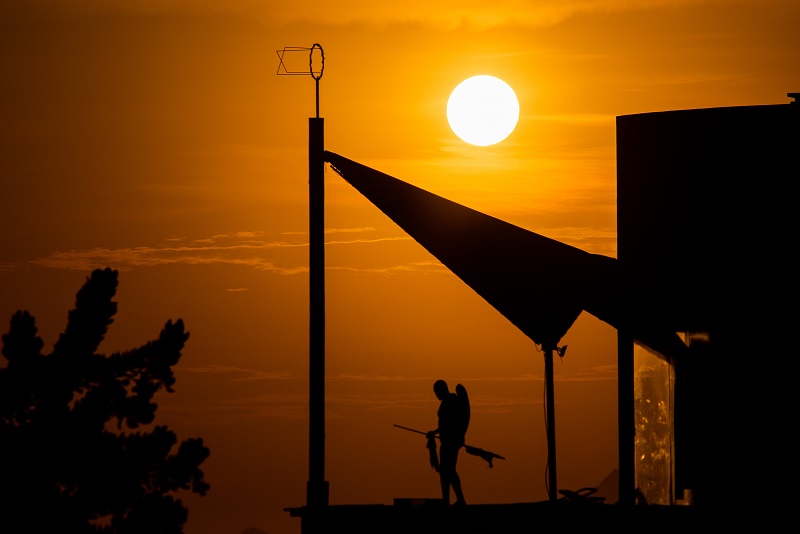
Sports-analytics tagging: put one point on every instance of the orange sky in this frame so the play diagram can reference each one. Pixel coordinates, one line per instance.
(157, 139)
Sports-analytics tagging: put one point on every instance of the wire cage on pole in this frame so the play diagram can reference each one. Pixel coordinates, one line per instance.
(291, 64)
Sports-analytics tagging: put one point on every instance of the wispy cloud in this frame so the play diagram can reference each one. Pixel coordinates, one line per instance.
(596, 374)
(127, 258)
(246, 248)
(237, 374)
(576, 118)
(377, 240)
(421, 267)
(348, 392)
(240, 410)
(446, 14)
(273, 255)
(592, 240)
(349, 230)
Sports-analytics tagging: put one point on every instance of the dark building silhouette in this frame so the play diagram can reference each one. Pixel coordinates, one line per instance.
(704, 250)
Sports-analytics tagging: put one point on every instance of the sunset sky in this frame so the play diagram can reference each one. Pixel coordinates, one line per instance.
(156, 138)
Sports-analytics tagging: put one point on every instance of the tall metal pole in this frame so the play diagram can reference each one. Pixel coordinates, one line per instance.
(552, 484)
(317, 487)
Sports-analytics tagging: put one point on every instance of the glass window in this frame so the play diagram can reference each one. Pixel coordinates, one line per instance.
(653, 411)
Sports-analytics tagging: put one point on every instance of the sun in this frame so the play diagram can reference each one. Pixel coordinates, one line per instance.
(483, 110)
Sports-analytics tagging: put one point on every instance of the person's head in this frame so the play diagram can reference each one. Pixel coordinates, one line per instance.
(441, 389)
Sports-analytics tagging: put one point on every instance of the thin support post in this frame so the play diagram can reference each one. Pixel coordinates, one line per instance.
(317, 95)
(626, 418)
(317, 486)
(551, 425)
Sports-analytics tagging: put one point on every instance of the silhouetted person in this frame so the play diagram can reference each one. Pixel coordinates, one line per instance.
(454, 413)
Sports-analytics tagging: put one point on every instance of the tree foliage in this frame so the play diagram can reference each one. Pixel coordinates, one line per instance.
(78, 452)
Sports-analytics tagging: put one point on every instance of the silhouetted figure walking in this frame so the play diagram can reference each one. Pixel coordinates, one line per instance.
(454, 413)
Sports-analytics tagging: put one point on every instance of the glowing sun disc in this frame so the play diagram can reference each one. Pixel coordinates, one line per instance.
(483, 110)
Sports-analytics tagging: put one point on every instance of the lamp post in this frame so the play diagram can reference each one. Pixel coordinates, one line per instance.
(316, 487)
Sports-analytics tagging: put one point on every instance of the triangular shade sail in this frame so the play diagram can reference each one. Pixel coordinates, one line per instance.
(539, 284)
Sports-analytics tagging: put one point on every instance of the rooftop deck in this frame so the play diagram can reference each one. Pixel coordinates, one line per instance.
(420, 516)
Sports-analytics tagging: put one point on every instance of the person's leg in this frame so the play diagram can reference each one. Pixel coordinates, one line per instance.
(445, 483)
(455, 481)
(447, 470)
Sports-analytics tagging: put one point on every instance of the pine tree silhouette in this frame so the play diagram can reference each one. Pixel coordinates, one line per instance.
(73, 457)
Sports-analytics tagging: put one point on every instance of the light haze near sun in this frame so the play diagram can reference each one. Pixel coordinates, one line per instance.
(483, 110)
